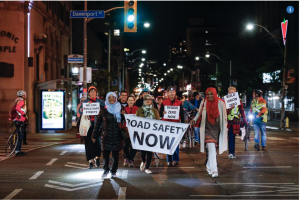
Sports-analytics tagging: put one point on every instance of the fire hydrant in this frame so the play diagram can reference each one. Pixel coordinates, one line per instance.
(287, 122)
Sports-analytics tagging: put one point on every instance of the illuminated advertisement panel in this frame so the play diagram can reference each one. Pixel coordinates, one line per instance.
(53, 110)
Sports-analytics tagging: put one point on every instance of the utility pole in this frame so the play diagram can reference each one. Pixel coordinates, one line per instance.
(85, 53)
(109, 52)
(283, 90)
(217, 74)
(230, 75)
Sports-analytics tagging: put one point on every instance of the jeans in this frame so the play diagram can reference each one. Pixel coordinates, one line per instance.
(20, 130)
(197, 134)
(149, 158)
(231, 141)
(129, 152)
(259, 127)
(115, 156)
(175, 156)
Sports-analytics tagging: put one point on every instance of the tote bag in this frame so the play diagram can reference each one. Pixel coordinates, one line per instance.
(85, 124)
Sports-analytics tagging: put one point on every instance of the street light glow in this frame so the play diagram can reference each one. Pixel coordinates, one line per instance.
(249, 26)
(179, 67)
(165, 64)
(207, 55)
(197, 58)
(171, 69)
(143, 59)
(165, 74)
(144, 51)
(168, 71)
(146, 25)
(130, 18)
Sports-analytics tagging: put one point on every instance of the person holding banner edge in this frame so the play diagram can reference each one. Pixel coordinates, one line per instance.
(147, 111)
(108, 127)
(213, 128)
(92, 151)
(172, 101)
(234, 115)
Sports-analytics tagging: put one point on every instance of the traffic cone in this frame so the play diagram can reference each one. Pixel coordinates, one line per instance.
(287, 122)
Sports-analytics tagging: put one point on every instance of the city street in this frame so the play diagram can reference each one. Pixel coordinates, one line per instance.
(55, 167)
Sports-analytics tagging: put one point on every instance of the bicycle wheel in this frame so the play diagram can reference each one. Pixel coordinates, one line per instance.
(246, 144)
(190, 138)
(11, 144)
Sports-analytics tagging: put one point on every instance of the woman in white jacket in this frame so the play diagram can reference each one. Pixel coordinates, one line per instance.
(213, 128)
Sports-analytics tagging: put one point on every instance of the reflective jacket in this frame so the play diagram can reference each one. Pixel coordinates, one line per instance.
(259, 107)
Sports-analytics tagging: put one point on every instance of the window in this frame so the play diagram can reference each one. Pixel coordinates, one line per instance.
(61, 12)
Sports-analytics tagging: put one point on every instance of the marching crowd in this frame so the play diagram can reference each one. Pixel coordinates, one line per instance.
(215, 127)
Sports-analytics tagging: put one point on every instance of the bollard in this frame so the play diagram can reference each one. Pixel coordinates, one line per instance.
(287, 122)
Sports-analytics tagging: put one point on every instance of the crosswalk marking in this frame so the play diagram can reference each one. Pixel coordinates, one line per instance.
(14, 193)
(36, 175)
(52, 161)
(122, 193)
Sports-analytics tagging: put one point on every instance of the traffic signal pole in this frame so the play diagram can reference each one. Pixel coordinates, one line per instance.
(85, 53)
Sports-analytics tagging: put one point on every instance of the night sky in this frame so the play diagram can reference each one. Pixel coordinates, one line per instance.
(169, 20)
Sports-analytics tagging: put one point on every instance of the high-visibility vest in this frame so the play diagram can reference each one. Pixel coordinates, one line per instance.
(257, 107)
(234, 113)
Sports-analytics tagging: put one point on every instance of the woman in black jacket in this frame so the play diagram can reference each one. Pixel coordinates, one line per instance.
(108, 126)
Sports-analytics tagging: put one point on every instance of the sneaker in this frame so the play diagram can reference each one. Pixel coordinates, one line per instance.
(263, 148)
(105, 173)
(208, 171)
(170, 164)
(20, 153)
(25, 143)
(175, 163)
(231, 156)
(148, 171)
(114, 175)
(91, 165)
(125, 162)
(214, 175)
(142, 166)
(131, 163)
(256, 146)
(97, 162)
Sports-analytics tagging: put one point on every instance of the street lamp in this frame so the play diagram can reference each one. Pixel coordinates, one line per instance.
(197, 58)
(146, 24)
(143, 59)
(144, 51)
(165, 64)
(250, 27)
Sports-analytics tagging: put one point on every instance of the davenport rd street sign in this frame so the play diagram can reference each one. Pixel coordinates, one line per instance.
(87, 14)
(74, 58)
(154, 135)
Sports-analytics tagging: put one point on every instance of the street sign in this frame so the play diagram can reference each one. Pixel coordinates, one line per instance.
(74, 58)
(87, 14)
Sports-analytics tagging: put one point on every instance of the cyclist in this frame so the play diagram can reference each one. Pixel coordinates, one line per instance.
(196, 102)
(19, 121)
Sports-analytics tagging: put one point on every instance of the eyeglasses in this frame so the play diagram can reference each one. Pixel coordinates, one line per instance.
(148, 99)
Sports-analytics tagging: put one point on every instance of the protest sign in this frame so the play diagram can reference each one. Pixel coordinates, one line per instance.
(154, 135)
(232, 99)
(172, 112)
(91, 108)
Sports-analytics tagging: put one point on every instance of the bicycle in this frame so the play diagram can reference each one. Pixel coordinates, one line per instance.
(12, 143)
(190, 133)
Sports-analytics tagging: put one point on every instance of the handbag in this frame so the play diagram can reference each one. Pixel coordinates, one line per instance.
(85, 124)
(197, 124)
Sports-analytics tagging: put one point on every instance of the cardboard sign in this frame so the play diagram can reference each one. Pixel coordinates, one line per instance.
(91, 108)
(232, 99)
(172, 112)
(154, 135)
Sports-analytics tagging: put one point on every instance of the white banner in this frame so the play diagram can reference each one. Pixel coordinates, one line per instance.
(232, 99)
(172, 112)
(154, 135)
(91, 108)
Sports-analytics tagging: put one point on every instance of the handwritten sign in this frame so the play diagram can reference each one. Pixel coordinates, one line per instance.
(232, 99)
(91, 108)
(172, 112)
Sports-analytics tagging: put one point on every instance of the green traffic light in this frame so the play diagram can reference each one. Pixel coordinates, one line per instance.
(130, 18)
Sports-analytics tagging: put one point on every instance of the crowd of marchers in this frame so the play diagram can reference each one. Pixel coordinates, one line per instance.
(215, 127)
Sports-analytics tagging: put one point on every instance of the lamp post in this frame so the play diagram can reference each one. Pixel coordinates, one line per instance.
(250, 27)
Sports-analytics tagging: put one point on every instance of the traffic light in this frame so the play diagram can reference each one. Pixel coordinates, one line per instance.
(130, 16)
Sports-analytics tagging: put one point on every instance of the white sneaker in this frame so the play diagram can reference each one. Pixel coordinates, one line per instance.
(214, 175)
(142, 166)
(231, 156)
(208, 171)
(148, 171)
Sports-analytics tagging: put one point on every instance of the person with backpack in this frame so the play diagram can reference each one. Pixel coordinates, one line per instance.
(18, 114)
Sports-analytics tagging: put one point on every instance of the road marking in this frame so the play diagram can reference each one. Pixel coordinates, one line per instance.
(83, 165)
(257, 192)
(248, 183)
(237, 195)
(36, 175)
(74, 186)
(14, 193)
(63, 153)
(72, 166)
(122, 193)
(71, 185)
(270, 167)
(124, 173)
(52, 161)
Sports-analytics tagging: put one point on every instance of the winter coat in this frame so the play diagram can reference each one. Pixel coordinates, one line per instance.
(110, 131)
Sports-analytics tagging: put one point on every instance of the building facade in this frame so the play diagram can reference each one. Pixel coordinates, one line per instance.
(35, 42)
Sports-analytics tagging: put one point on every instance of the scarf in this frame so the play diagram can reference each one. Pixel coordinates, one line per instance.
(148, 108)
(212, 106)
(115, 108)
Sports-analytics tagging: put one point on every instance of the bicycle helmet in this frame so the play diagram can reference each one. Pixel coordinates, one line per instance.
(20, 93)
(258, 92)
(145, 90)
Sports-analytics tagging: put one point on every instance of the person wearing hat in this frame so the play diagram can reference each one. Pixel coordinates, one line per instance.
(172, 101)
(139, 103)
(260, 111)
(92, 150)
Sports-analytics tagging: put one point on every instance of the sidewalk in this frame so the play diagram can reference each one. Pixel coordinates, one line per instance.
(275, 124)
(39, 140)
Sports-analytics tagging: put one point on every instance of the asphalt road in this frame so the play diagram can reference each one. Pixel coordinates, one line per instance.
(55, 168)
